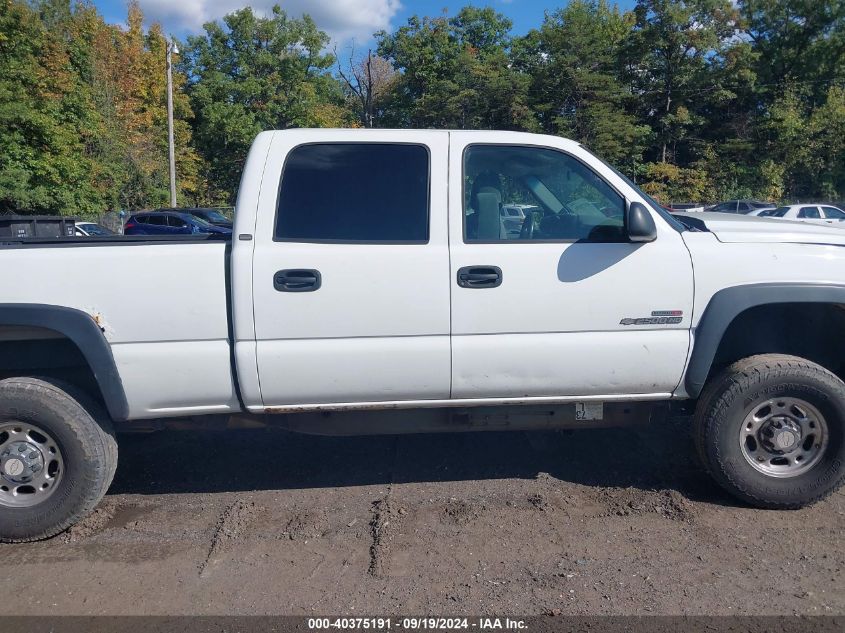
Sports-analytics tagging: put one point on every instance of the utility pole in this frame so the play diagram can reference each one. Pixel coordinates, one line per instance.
(171, 48)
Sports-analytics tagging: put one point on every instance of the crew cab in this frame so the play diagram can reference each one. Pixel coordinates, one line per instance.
(369, 272)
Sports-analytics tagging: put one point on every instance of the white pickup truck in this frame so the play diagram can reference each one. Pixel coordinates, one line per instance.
(370, 271)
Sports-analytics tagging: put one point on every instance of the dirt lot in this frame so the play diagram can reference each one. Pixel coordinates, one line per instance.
(588, 522)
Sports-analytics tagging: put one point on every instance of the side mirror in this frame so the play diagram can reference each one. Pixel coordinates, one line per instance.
(641, 227)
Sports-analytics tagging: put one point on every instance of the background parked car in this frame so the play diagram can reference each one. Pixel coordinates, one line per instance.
(212, 216)
(169, 223)
(513, 216)
(690, 207)
(813, 213)
(518, 210)
(740, 206)
(91, 229)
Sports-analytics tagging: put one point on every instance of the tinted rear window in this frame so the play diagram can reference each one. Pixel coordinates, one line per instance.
(354, 192)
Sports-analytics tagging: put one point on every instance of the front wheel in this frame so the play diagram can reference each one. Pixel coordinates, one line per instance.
(771, 430)
(57, 458)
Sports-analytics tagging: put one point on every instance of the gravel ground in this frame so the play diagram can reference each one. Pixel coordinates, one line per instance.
(617, 521)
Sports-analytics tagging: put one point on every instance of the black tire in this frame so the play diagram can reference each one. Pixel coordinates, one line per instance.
(87, 444)
(730, 396)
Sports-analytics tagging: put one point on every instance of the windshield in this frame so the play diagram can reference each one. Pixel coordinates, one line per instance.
(200, 222)
(214, 216)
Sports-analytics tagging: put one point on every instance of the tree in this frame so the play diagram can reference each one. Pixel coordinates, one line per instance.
(82, 111)
(669, 183)
(45, 109)
(806, 145)
(368, 81)
(797, 41)
(251, 74)
(456, 73)
(826, 127)
(573, 61)
(130, 97)
(670, 53)
(693, 98)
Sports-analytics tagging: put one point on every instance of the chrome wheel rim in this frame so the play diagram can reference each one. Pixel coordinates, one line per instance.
(783, 437)
(31, 464)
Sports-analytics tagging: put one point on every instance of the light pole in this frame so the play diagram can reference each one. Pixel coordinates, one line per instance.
(171, 48)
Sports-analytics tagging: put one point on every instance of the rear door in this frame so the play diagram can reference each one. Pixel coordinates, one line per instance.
(156, 225)
(351, 268)
(567, 306)
(176, 224)
(811, 214)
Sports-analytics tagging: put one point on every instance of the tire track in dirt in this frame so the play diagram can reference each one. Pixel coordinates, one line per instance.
(384, 526)
(385, 522)
(230, 527)
(605, 522)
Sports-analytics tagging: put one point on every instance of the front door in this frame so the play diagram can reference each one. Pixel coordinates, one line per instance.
(559, 303)
(350, 269)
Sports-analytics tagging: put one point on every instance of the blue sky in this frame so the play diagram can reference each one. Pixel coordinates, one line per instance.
(344, 20)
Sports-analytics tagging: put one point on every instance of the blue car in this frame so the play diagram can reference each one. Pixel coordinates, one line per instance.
(170, 223)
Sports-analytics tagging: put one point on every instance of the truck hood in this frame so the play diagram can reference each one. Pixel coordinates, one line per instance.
(739, 228)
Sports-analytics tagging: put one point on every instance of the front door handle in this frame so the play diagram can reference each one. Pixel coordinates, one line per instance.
(480, 277)
(297, 280)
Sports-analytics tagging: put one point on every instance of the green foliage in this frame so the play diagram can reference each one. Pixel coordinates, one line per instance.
(575, 91)
(456, 73)
(83, 125)
(669, 59)
(669, 182)
(45, 111)
(806, 144)
(697, 100)
(251, 74)
(797, 40)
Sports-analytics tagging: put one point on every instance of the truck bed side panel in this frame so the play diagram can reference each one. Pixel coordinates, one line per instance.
(162, 309)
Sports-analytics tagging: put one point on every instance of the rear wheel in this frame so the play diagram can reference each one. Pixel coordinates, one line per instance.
(57, 458)
(771, 430)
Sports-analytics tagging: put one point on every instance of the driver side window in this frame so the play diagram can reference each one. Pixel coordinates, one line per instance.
(533, 193)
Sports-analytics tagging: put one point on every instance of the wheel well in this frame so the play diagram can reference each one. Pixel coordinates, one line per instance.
(41, 352)
(813, 331)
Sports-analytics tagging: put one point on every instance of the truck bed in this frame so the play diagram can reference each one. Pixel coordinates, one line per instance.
(161, 303)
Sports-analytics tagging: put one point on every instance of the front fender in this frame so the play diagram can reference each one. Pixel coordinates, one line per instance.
(729, 303)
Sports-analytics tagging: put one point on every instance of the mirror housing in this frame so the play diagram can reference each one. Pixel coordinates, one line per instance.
(641, 227)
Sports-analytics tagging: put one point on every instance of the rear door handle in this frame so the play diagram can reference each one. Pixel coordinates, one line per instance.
(480, 277)
(297, 280)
